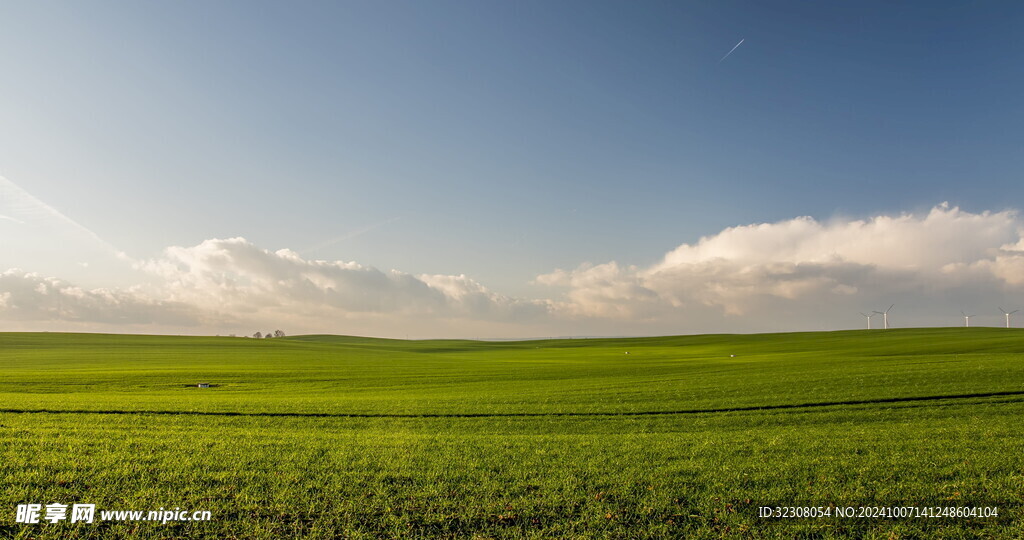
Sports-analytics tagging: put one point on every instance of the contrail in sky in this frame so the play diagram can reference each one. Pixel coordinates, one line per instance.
(350, 235)
(17, 201)
(733, 49)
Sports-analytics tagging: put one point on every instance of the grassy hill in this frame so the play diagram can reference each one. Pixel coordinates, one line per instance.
(632, 438)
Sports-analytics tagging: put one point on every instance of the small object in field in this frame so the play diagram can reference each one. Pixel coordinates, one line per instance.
(203, 385)
(732, 356)
(627, 352)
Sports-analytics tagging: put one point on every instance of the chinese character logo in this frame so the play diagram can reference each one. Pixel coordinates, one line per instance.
(28, 513)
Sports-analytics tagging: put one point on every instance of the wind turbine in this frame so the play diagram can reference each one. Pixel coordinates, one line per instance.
(967, 318)
(1008, 313)
(885, 317)
(868, 317)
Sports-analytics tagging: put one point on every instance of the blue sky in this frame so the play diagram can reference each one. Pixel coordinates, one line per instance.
(497, 140)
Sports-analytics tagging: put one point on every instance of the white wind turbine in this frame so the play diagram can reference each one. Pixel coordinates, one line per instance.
(885, 317)
(1008, 313)
(868, 317)
(967, 318)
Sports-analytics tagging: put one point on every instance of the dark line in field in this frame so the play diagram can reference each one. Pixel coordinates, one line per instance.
(518, 415)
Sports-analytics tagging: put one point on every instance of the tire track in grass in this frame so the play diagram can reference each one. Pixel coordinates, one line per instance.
(750, 408)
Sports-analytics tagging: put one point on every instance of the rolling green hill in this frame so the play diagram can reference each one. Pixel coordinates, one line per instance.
(686, 436)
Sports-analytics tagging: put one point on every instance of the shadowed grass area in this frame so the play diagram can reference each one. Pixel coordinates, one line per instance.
(327, 436)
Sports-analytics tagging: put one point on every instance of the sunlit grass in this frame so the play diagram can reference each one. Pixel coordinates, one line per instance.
(381, 438)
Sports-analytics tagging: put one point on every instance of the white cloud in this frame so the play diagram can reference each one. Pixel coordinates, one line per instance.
(234, 276)
(232, 283)
(805, 264)
(795, 274)
(28, 297)
(945, 235)
(604, 290)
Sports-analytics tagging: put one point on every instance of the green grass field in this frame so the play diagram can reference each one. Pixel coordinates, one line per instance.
(327, 436)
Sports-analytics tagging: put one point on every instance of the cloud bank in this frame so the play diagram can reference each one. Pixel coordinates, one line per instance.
(25, 296)
(803, 265)
(795, 274)
(236, 276)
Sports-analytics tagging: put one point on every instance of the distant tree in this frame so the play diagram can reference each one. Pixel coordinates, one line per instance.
(278, 333)
(257, 335)
(269, 335)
